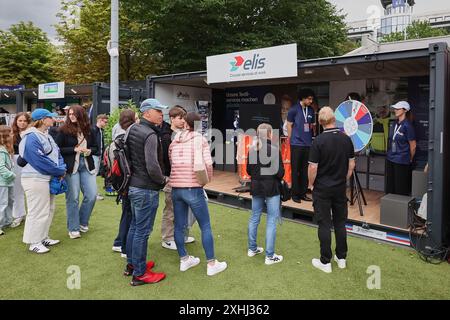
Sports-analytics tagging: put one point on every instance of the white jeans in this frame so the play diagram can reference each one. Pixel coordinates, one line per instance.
(41, 208)
(19, 210)
(6, 205)
(96, 164)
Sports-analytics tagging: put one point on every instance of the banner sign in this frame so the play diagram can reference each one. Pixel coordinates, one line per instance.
(266, 63)
(12, 88)
(53, 90)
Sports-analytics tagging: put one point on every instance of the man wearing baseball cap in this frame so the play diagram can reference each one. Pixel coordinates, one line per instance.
(66, 109)
(401, 151)
(147, 179)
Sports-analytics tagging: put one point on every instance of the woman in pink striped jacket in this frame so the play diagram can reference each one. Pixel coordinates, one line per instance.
(188, 153)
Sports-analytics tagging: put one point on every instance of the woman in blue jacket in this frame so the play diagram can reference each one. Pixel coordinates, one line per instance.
(401, 151)
(44, 160)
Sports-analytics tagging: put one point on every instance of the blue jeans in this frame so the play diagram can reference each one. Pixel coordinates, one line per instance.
(273, 212)
(144, 204)
(194, 198)
(81, 180)
(124, 226)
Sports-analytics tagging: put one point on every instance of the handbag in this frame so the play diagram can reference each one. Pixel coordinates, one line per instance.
(199, 166)
(201, 174)
(285, 192)
(58, 185)
(21, 162)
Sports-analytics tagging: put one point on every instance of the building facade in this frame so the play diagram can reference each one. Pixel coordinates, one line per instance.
(397, 16)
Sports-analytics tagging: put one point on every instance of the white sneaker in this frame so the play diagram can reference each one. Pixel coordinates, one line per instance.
(275, 259)
(1, 232)
(216, 268)
(99, 197)
(74, 234)
(252, 253)
(319, 265)
(84, 228)
(169, 245)
(16, 222)
(189, 240)
(49, 242)
(342, 263)
(117, 249)
(189, 263)
(38, 248)
(123, 255)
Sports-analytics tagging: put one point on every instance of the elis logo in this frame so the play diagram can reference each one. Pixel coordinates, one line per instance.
(250, 64)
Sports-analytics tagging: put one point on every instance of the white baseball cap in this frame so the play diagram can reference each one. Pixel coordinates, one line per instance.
(402, 105)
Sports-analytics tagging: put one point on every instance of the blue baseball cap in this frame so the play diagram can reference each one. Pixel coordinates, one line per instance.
(40, 114)
(152, 104)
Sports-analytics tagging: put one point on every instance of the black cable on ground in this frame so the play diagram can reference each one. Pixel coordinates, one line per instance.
(431, 253)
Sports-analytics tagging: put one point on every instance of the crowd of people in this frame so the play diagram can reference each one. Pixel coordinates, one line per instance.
(176, 159)
(33, 153)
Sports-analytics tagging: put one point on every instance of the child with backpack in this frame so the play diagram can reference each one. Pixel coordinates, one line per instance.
(7, 177)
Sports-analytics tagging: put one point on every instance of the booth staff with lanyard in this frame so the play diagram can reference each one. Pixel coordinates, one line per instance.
(401, 150)
(300, 121)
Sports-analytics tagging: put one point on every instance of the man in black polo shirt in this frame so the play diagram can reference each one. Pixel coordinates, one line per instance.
(331, 163)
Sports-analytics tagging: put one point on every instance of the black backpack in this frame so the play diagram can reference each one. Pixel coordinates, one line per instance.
(120, 172)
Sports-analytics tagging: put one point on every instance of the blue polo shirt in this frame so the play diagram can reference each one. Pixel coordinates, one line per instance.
(299, 136)
(400, 153)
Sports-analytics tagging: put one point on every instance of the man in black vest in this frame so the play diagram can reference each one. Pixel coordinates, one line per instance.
(331, 164)
(147, 178)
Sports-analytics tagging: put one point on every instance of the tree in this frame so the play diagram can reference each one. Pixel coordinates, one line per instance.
(417, 30)
(184, 32)
(84, 57)
(26, 56)
(114, 117)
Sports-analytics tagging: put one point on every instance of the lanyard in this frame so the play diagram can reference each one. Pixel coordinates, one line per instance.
(305, 113)
(396, 131)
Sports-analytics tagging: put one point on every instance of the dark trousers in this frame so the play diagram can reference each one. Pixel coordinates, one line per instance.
(398, 178)
(124, 226)
(330, 208)
(299, 169)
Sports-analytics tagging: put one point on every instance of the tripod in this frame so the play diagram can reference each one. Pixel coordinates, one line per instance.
(356, 192)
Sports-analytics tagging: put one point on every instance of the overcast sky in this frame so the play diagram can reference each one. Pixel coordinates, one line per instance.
(43, 12)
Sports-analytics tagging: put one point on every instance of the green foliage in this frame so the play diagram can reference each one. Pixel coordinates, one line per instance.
(417, 30)
(84, 57)
(184, 32)
(347, 46)
(113, 119)
(166, 36)
(26, 56)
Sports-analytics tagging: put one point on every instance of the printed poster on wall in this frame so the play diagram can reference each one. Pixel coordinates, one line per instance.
(53, 90)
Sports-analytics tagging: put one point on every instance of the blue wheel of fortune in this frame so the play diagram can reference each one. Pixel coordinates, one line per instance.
(354, 119)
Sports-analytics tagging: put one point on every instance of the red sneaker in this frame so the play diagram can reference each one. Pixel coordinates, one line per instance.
(129, 268)
(148, 277)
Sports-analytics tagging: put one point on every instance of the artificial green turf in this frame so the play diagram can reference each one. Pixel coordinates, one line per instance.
(25, 275)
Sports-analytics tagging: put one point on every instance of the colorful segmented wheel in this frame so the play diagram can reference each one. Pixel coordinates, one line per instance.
(354, 119)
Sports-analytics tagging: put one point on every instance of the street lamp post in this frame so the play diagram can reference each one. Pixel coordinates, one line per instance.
(113, 49)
